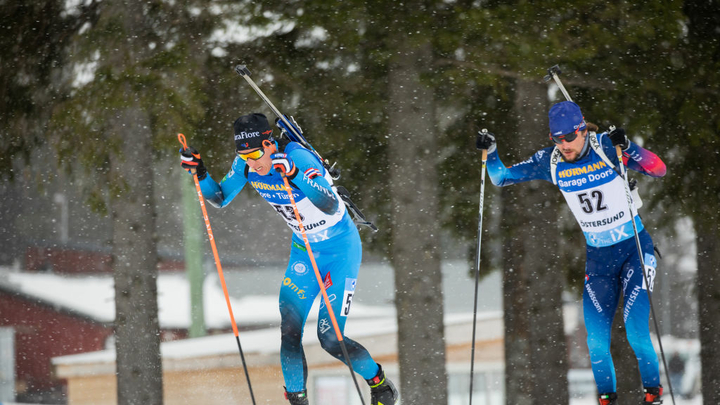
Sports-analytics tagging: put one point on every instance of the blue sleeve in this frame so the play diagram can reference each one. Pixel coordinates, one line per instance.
(311, 181)
(220, 194)
(535, 168)
(635, 158)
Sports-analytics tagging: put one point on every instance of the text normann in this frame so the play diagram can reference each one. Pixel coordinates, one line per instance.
(582, 170)
(263, 186)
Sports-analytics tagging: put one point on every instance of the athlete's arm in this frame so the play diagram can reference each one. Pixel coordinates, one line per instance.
(636, 158)
(535, 168)
(311, 181)
(220, 194)
(642, 160)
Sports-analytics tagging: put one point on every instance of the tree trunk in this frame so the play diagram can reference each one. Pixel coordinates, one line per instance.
(533, 258)
(415, 227)
(518, 374)
(627, 373)
(703, 183)
(137, 331)
(708, 290)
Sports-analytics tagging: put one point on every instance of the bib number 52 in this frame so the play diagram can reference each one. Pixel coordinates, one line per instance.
(592, 202)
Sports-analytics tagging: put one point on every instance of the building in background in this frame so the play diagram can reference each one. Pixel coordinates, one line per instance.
(52, 315)
(209, 371)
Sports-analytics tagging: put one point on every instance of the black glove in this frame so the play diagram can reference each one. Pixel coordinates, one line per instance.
(485, 140)
(191, 160)
(618, 138)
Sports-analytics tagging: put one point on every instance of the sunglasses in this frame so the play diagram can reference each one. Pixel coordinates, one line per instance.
(566, 137)
(256, 154)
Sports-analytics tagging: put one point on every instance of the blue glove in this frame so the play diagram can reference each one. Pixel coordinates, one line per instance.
(282, 163)
(191, 160)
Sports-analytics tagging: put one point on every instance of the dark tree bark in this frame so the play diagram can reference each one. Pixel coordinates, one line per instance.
(534, 264)
(137, 330)
(518, 373)
(134, 253)
(708, 290)
(415, 226)
(699, 176)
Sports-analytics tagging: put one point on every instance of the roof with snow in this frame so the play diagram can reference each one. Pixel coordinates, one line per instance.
(93, 297)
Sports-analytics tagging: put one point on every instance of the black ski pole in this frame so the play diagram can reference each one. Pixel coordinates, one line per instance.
(183, 142)
(628, 196)
(477, 265)
(554, 73)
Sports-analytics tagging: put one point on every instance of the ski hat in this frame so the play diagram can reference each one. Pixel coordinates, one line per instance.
(251, 130)
(565, 117)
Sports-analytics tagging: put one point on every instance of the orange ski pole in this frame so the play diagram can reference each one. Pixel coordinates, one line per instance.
(326, 299)
(183, 142)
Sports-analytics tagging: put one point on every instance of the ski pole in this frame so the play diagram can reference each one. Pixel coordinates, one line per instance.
(183, 142)
(477, 265)
(326, 299)
(554, 73)
(628, 196)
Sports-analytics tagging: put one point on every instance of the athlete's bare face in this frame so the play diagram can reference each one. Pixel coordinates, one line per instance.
(571, 150)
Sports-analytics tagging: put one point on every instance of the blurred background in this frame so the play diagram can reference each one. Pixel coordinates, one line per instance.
(103, 246)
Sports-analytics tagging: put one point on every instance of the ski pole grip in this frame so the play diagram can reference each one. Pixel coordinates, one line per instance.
(182, 140)
(484, 131)
(242, 70)
(618, 150)
(552, 72)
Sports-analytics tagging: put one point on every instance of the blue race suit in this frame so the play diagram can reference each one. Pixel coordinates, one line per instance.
(596, 195)
(336, 247)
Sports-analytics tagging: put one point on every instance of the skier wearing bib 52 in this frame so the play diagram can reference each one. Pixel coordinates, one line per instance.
(583, 165)
(334, 240)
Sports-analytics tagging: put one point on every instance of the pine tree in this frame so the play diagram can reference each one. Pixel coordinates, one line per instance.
(143, 86)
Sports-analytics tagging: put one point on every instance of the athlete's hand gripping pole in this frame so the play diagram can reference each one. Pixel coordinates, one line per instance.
(183, 142)
(628, 196)
(326, 299)
(477, 263)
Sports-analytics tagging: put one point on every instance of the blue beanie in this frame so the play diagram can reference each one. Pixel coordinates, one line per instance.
(565, 117)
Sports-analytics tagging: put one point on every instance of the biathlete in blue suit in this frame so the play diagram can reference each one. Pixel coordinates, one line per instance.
(333, 237)
(583, 165)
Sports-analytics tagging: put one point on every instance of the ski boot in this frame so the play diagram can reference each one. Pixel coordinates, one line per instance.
(652, 395)
(382, 390)
(297, 398)
(608, 399)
